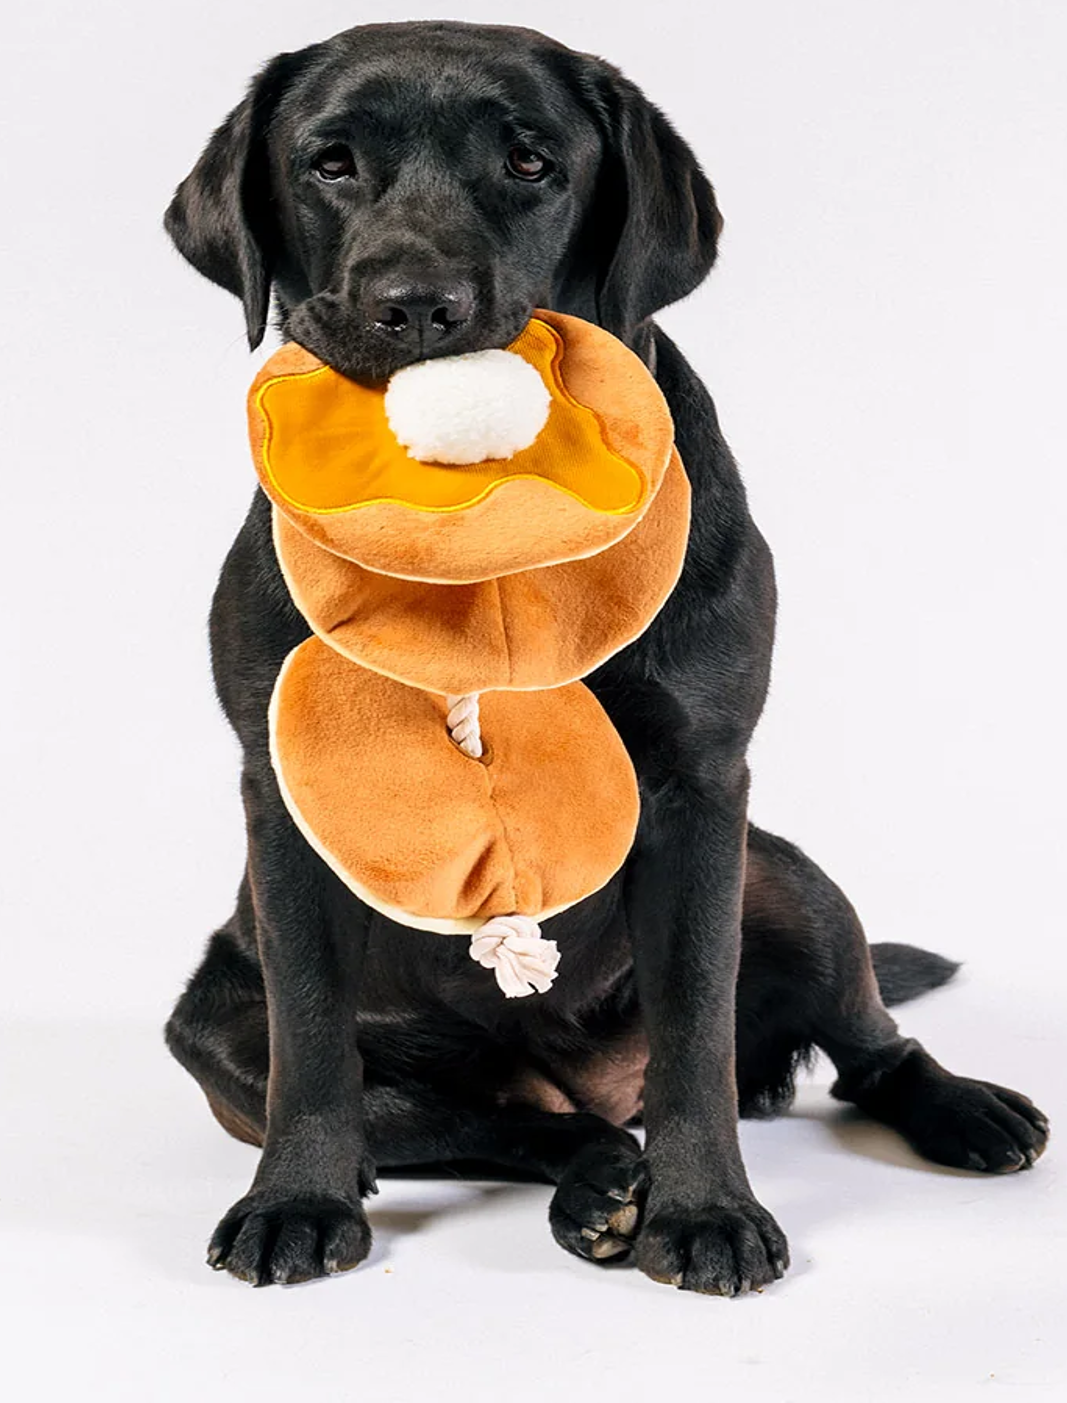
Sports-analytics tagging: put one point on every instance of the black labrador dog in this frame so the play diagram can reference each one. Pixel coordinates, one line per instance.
(414, 190)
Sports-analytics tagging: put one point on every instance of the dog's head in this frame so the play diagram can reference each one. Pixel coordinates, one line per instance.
(411, 190)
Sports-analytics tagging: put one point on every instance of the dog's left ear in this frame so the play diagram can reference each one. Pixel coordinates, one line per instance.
(220, 216)
(654, 212)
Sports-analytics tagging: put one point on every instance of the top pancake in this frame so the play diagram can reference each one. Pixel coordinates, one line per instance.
(326, 456)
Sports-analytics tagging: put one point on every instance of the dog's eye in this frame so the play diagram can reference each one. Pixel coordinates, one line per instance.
(334, 163)
(527, 164)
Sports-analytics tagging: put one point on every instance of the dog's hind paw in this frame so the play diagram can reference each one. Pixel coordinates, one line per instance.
(957, 1121)
(596, 1209)
(268, 1241)
(977, 1125)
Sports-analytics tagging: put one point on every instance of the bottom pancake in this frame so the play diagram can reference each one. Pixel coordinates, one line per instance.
(426, 834)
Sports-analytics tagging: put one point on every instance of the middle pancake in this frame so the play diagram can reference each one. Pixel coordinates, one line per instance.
(536, 628)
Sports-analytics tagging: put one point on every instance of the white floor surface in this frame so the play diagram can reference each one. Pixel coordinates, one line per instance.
(908, 1281)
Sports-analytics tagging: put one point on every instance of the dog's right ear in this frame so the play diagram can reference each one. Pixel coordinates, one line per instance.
(220, 216)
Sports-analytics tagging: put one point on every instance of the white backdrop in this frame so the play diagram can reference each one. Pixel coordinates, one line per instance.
(884, 338)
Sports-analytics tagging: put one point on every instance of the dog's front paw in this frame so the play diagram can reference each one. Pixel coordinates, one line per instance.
(720, 1249)
(267, 1240)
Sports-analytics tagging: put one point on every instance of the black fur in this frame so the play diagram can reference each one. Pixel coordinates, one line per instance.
(904, 972)
(340, 1041)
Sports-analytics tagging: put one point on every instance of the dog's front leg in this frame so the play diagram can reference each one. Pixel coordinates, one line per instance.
(703, 1228)
(303, 1215)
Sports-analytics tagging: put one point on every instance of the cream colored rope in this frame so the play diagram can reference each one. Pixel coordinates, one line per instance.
(515, 950)
(512, 946)
(464, 724)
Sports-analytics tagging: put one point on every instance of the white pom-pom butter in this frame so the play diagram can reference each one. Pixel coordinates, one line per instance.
(468, 408)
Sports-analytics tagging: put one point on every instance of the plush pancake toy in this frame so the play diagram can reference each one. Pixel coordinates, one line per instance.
(466, 543)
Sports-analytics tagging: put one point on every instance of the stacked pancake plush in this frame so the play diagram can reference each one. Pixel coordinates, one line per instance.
(465, 544)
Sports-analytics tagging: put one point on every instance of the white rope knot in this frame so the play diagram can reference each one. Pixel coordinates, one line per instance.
(464, 724)
(513, 946)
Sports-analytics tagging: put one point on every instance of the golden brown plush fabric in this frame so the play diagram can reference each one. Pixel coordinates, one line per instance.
(430, 836)
(536, 628)
(509, 579)
(453, 524)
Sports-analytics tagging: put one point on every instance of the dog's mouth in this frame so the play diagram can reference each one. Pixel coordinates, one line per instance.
(371, 351)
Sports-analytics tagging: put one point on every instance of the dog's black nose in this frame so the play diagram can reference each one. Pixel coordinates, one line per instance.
(417, 310)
